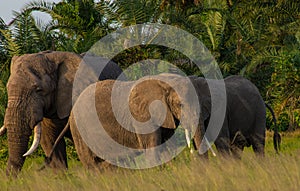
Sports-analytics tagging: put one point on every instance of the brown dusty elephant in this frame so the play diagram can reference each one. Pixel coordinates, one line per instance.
(145, 125)
(245, 117)
(40, 99)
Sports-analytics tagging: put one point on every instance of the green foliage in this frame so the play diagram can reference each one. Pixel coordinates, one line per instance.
(3, 96)
(3, 100)
(4, 73)
(131, 12)
(82, 22)
(284, 89)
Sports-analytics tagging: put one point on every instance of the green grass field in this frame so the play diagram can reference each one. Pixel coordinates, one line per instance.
(185, 172)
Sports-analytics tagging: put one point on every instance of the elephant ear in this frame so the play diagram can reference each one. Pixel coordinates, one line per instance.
(13, 60)
(206, 107)
(205, 98)
(141, 98)
(67, 65)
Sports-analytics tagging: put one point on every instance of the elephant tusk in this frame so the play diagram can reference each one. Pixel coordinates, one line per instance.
(2, 130)
(36, 140)
(209, 146)
(187, 137)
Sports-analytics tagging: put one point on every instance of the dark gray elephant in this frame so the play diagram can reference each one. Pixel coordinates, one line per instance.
(175, 97)
(245, 118)
(40, 99)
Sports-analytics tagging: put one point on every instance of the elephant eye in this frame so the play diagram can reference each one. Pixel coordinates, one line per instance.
(38, 89)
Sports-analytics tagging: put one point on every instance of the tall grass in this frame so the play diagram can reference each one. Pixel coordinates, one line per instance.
(185, 172)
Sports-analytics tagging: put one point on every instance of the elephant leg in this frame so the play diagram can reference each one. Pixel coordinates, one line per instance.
(223, 146)
(223, 141)
(257, 138)
(149, 142)
(258, 143)
(169, 146)
(237, 151)
(51, 129)
(88, 159)
(237, 144)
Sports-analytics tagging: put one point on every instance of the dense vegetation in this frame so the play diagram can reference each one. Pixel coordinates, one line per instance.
(257, 39)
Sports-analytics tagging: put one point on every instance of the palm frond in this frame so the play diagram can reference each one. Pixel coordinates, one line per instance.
(263, 56)
(137, 11)
(11, 46)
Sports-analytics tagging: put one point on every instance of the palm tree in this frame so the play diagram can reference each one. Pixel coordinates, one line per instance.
(3, 69)
(76, 24)
(3, 42)
(25, 34)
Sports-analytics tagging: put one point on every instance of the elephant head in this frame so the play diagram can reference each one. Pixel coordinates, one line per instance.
(178, 102)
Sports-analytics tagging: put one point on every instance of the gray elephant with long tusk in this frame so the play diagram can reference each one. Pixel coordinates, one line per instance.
(40, 89)
(140, 114)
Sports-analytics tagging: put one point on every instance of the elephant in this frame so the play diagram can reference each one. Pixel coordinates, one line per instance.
(40, 99)
(143, 112)
(245, 117)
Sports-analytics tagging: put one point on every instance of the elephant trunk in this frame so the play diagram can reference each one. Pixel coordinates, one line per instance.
(18, 134)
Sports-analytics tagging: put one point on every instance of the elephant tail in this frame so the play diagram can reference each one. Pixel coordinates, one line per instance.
(276, 136)
(58, 139)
